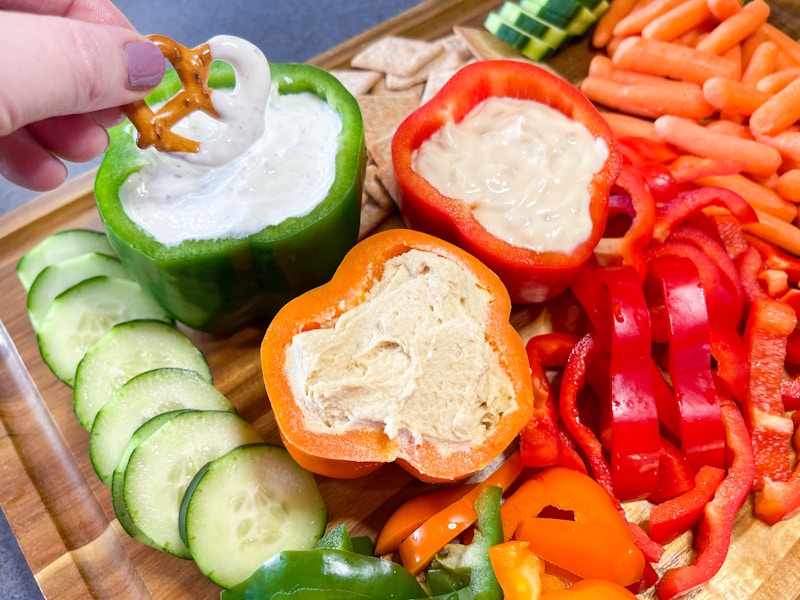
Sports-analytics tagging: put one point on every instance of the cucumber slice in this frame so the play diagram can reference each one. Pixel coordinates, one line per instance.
(59, 247)
(118, 480)
(528, 46)
(57, 278)
(163, 465)
(246, 506)
(532, 25)
(140, 399)
(83, 313)
(569, 15)
(125, 350)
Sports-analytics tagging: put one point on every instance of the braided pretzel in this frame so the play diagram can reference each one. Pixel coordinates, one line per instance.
(155, 128)
(240, 112)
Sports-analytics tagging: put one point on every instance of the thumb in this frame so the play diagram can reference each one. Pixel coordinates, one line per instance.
(61, 66)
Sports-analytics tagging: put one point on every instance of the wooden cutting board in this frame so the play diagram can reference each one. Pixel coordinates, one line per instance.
(61, 513)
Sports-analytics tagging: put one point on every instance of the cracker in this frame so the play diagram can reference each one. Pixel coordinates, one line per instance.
(382, 114)
(447, 61)
(396, 55)
(435, 82)
(357, 81)
(375, 189)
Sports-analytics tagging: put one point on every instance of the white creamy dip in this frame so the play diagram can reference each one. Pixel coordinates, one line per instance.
(285, 173)
(412, 359)
(522, 167)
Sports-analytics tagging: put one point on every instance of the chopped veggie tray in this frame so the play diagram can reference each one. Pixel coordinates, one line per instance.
(62, 513)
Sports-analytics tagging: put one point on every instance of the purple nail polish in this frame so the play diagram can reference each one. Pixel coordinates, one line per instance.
(145, 65)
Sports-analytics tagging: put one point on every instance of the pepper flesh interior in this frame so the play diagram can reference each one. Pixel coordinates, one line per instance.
(412, 359)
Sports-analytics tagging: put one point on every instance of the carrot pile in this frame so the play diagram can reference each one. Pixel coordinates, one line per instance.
(715, 80)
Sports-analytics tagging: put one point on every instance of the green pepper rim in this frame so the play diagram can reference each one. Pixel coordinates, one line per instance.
(124, 158)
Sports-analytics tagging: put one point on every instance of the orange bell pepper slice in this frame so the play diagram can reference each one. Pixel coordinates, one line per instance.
(567, 490)
(419, 548)
(588, 551)
(591, 589)
(520, 573)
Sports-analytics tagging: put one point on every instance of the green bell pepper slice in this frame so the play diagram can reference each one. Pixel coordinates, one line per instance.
(327, 574)
(226, 284)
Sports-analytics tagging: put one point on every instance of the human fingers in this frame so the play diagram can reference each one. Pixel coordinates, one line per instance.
(24, 162)
(108, 117)
(76, 138)
(93, 11)
(78, 67)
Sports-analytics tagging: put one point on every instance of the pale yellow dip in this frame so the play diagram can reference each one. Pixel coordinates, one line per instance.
(412, 359)
(522, 167)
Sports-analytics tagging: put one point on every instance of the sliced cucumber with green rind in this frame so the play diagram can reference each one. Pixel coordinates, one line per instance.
(60, 247)
(124, 351)
(140, 399)
(569, 15)
(118, 480)
(529, 47)
(82, 314)
(532, 25)
(56, 279)
(163, 465)
(245, 507)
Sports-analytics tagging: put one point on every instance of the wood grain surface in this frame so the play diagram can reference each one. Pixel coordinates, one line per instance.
(60, 511)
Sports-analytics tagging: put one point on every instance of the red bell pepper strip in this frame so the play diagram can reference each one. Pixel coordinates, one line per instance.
(775, 258)
(690, 202)
(750, 265)
(730, 232)
(573, 382)
(701, 433)
(634, 416)
(542, 439)
(529, 276)
(780, 500)
(629, 248)
(716, 525)
(673, 517)
(642, 150)
(769, 324)
(675, 476)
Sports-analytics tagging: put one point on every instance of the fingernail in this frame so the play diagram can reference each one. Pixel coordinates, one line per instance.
(145, 65)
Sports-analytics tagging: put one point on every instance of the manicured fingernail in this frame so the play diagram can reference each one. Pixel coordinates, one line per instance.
(145, 65)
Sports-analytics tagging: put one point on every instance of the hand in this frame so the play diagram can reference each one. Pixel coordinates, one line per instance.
(64, 74)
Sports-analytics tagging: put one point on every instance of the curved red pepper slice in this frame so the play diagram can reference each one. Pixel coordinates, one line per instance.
(629, 249)
(675, 476)
(541, 440)
(690, 202)
(634, 416)
(701, 431)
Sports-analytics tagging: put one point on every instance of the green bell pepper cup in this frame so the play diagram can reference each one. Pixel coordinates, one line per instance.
(226, 284)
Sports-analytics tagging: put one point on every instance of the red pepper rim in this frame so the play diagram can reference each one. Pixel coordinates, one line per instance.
(512, 79)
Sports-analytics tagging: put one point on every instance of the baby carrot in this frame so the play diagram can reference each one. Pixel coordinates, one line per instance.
(787, 143)
(730, 128)
(679, 98)
(758, 196)
(696, 139)
(688, 168)
(638, 19)
(610, 94)
(779, 112)
(751, 42)
(678, 20)
(782, 234)
(671, 60)
(760, 63)
(785, 43)
(629, 126)
(724, 9)
(775, 82)
(736, 28)
(602, 66)
(604, 28)
(732, 96)
(789, 185)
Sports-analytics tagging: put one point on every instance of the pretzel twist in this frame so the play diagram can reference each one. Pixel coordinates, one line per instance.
(155, 128)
